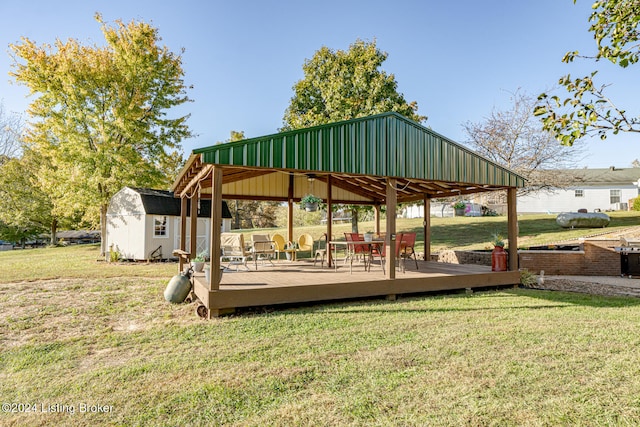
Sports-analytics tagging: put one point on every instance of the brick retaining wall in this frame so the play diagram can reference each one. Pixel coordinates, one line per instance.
(597, 258)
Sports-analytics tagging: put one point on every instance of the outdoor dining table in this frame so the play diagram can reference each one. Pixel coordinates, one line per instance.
(335, 243)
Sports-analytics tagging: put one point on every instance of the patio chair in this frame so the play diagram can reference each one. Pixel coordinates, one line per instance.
(233, 251)
(305, 243)
(407, 245)
(321, 250)
(264, 249)
(359, 249)
(383, 254)
(281, 247)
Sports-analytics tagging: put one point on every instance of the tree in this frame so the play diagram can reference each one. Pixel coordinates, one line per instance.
(342, 85)
(515, 139)
(26, 210)
(10, 130)
(99, 121)
(588, 110)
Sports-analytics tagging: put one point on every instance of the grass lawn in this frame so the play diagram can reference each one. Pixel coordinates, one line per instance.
(83, 335)
(476, 233)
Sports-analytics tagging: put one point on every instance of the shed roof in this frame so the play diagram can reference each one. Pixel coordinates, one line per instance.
(162, 202)
(359, 154)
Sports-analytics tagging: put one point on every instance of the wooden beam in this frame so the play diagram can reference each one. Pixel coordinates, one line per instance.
(329, 216)
(390, 242)
(183, 230)
(193, 230)
(201, 175)
(376, 217)
(512, 228)
(290, 209)
(427, 228)
(216, 221)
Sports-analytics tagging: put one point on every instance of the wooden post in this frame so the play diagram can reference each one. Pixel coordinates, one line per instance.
(193, 247)
(216, 220)
(390, 243)
(512, 228)
(290, 210)
(376, 216)
(183, 230)
(329, 217)
(427, 228)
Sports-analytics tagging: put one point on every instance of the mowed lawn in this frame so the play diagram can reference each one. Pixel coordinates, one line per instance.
(85, 343)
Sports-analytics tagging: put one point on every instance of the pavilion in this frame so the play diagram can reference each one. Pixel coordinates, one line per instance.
(377, 160)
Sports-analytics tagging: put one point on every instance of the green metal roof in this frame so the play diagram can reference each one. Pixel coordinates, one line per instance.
(383, 145)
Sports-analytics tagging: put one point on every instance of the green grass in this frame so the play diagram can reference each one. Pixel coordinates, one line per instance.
(517, 357)
(476, 232)
(74, 330)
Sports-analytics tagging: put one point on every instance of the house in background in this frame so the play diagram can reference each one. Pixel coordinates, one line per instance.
(144, 224)
(592, 189)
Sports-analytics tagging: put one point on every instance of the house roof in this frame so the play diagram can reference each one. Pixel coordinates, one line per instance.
(359, 155)
(162, 202)
(608, 176)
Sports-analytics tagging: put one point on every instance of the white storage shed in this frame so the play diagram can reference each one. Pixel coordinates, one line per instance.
(144, 224)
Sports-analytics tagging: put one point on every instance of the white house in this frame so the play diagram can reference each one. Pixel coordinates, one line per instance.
(145, 224)
(592, 189)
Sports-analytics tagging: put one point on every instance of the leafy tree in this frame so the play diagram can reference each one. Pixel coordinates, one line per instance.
(26, 210)
(99, 121)
(10, 130)
(515, 139)
(342, 85)
(587, 109)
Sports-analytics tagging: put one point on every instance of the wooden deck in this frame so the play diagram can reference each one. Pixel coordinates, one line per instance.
(292, 282)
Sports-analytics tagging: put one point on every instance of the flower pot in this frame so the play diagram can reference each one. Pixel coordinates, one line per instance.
(459, 211)
(310, 207)
(498, 259)
(368, 237)
(197, 266)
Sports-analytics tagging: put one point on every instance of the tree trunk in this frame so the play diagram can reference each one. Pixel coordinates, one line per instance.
(54, 232)
(103, 229)
(354, 220)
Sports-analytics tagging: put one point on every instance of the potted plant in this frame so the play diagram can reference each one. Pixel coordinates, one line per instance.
(368, 236)
(310, 202)
(459, 207)
(290, 246)
(198, 262)
(498, 255)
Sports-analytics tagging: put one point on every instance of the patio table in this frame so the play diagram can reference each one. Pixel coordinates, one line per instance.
(335, 243)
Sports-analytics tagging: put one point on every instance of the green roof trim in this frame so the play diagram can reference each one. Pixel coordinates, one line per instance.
(383, 145)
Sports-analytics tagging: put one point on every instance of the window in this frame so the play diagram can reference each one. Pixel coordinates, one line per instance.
(614, 196)
(159, 226)
(579, 193)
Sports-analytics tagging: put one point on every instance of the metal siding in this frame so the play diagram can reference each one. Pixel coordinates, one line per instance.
(382, 145)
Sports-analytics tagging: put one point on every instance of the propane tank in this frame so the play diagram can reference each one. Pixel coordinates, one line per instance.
(178, 288)
(498, 259)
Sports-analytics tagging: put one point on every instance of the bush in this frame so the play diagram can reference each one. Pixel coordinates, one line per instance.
(635, 205)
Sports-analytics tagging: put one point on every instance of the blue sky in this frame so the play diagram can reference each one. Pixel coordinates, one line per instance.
(457, 59)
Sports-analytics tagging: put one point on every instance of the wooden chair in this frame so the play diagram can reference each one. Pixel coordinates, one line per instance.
(305, 243)
(281, 247)
(264, 249)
